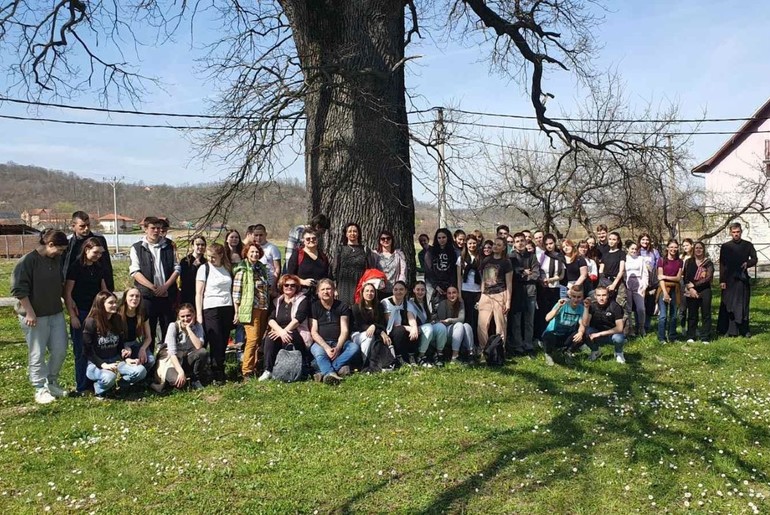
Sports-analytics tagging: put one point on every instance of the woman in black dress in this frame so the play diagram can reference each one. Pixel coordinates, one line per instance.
(309, 263)
(189, 268)
(350, 262)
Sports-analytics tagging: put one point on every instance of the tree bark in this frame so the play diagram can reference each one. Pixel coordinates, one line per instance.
(357, 140)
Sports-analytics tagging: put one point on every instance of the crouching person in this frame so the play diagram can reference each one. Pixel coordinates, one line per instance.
(182, 355)
(103, 346)
(330, 331)
(567, 323)
(606, 325)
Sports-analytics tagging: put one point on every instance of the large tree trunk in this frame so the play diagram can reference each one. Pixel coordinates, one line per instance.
(357, 140)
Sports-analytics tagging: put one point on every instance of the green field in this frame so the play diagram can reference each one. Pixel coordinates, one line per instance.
(681, 427)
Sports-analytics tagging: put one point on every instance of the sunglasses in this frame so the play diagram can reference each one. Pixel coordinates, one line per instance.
(290, 285)
(385, 238)
(311, 239)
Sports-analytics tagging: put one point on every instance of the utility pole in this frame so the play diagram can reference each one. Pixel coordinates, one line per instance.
(440, 137)
(672, 182)
(114, 181)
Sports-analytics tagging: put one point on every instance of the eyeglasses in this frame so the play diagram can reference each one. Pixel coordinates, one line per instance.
(311, 239)
(290, 285)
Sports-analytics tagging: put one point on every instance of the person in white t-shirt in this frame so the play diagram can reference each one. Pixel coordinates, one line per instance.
(214, 304)
(272, 256)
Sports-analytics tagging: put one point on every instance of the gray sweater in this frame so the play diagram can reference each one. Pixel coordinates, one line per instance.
(442, 312)
(39, 278)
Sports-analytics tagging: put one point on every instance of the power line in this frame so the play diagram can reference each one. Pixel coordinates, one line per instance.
(472, 124)
(414, 111)
(124, 125)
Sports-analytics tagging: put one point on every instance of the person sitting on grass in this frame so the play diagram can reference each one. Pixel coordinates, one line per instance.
(182, 355)
(401, 324)
(567, 323)
(606, 324)
(103, 347)
(451, 313)
(431, 333)
(330, 331)
(136, 328)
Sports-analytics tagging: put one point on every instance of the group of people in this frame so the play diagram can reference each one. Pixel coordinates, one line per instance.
(357, 310)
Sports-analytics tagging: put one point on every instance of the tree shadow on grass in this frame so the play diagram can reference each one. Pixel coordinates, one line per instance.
(651, 435)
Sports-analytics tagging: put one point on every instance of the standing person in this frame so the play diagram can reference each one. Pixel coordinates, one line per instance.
(350, 262)
(36, 283)
(233, 246)
(589, 255)
(401, 324)
(575, 268)
(686, 254)
(81, 231)
(330, 331)
(637, 278)
(369, 321)
(391, 261)
(136, 328)
(698, 274)
(526, 274)
(648, 251)
(451, 313)
(309, 263)
(183, 355)
(440, 266)
(214, 304)
(287, 323)
(496, 292)
(188, 269)
(567, 322)
(319, 224)
(431, 332)
(424, 241)
(486, 249)
(271, 256)
(103, 340)
(85, 278)
(469, 279)
(537, 239)
(603, 244)
(612, 270)
(735, 258)
(154, 268)
(605, 325)
(669, 291)
(551, 274)
(459, 239)
(502, 231)
(251, 301)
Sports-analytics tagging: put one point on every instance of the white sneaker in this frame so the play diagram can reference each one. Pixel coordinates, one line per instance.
(620, 358)
(56, 391)
(690, 340)
(548, 360)
(265, 376)
(43, 396)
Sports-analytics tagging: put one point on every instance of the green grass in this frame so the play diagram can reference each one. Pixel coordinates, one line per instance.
(678, 424)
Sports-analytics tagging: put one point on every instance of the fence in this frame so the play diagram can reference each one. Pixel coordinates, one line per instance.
(16, 245)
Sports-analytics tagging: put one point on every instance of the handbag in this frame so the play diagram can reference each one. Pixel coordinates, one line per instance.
(288, 366)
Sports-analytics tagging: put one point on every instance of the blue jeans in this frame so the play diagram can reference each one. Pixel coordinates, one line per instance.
(327, 366)
(82, 383)
(135, 346)
(104, 380)
(667, 315)
(49, 333)
(617, 339)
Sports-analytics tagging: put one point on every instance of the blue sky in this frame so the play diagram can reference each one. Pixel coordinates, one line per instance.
(701, 54)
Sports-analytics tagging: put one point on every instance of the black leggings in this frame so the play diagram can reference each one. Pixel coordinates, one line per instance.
(159, 310)
(272, 346)
(702, 304)
(217, 323)
(470, 299)
(401, 342)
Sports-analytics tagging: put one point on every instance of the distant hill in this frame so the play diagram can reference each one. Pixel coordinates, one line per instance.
(30, 187)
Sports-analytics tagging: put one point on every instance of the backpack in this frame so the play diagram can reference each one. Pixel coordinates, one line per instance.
(494, 353)
(288, 366)
(380, 357)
